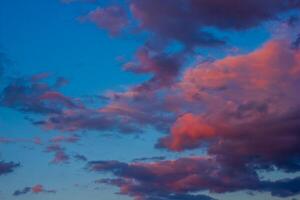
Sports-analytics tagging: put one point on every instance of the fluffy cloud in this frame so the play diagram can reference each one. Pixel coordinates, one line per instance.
(186, 21)
(237, 93)
(243, 110)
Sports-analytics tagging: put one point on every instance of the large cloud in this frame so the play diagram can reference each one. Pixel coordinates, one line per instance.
(239, 92)
(186, 20)
(248, 103)
(244, 110)
(168, 179)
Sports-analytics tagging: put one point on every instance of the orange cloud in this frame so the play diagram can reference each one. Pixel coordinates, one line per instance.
(188, 130)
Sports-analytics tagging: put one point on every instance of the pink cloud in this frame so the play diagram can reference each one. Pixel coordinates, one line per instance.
(184, 176)
(36, 189)
(69, 139)
(60, 155)
(237, 91)
(113, 19)
(187, 131)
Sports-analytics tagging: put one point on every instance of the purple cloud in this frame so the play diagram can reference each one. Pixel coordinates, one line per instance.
(60, 156)
(36, 189)
(113, 19)
(188, 175)
(7, 167)
(33, 95)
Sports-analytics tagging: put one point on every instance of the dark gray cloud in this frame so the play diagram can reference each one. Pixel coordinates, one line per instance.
(7, 167)
(22, 192)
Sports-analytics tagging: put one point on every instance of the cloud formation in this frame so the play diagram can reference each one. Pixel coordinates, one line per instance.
(166, 19)
(243, 111)
(246, 102)
(163, 179)
(34, 95)
(257, 89)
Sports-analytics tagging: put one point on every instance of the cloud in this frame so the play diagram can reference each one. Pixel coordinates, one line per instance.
(242, 110)
(187, 131)
(22, 192)
(296, 43)
(112, 18)
(285, 187)
(7, 167)
(162, 66)
(167, 18)
(163, 179)
(124, 114)
(163, 18)
(59, 154)
(36, 189)
(87, 119)
(154, 158)
(239, 91)
(248, 103)
(67, 139)
(5, 140)
(80, 157)
(33, 95)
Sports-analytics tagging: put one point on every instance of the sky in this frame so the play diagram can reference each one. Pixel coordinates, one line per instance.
(149, 99)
